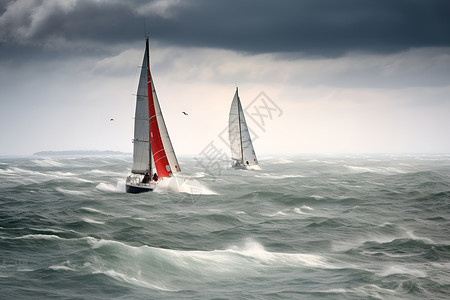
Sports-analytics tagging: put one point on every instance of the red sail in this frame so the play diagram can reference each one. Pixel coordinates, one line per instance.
(159, 154)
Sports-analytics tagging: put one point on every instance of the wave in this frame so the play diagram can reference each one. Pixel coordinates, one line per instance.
(106, 173)
(65, 266)
(47, 163)
(182, 184)
(133, 280)
(52, 237)
(69, 192)
(179, 184)
(109, 188)
(267, 175)
(169, 269)
(40, 237)
(89, 220)
(272, 160)
(278, 213)
(379, 170)
(250, 253)
(93, 210)
(400, 269)
(298, 210)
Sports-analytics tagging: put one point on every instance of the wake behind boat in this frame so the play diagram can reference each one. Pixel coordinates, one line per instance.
(153, 155)
(242, 152)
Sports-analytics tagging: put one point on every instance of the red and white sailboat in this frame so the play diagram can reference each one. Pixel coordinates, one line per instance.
(153, 154)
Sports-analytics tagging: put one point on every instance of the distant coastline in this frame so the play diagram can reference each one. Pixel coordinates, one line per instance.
(80, 152)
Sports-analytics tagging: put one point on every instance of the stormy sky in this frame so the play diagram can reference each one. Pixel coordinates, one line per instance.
(345, 76)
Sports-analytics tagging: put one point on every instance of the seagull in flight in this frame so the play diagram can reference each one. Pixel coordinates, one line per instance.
(185, 113)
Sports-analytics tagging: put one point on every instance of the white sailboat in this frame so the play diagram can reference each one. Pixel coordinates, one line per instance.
(242, 152)
(153, 154)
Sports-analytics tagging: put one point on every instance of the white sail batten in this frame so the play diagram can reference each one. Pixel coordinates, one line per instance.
(141, 141)
(241, 145)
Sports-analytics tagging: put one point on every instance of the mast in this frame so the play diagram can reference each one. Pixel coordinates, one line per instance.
(147, 55)
(239, 122)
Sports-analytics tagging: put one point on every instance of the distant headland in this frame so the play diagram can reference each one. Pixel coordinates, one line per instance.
(80, 152)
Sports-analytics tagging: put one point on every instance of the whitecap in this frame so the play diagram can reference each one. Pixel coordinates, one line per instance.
(69, 192)
(307, 207)
(132, 280)
(65, 266)
(267, 175)
(360, 169)
(423, 239)
(391, 270)
(40, 236)
(106, 187)
(93, 210)
(373, 290)
(298, 210)
(181, 184)
(278, 213)
(255, 250)
(47, 163)
(379, 170)
(58, 268)
(61, 174)
(88, 220)
(285, 161)
(108, 173)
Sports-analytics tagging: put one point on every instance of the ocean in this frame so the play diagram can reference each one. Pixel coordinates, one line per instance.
(302, 227)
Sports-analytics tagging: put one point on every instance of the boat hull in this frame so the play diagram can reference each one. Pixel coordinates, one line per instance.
(136, 189)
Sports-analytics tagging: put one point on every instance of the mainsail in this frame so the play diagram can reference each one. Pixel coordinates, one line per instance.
(240, 142)
(141, 141)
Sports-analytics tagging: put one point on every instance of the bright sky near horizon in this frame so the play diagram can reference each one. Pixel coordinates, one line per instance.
(320, 76)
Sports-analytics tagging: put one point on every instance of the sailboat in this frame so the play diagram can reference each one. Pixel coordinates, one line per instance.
(242, 152)
(153, 155)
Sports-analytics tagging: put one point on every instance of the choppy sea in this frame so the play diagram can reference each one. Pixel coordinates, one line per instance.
(304, 227)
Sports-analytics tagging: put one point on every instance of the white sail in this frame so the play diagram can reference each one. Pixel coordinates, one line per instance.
(167, 144)
(141, 141)
(234, 130)
(241, 145)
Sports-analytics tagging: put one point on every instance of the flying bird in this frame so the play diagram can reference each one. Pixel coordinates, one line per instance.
(185, 113)
(111, 120)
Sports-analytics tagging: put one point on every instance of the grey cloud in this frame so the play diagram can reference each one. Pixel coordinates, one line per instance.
(326, 28)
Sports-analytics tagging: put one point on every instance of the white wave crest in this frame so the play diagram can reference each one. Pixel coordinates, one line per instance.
(267, 175)
(47, 163)
(69, 192)
(181, 184)
(65, 266)
(133, 280)
(391, 270)
(109, 188)
(89, 220)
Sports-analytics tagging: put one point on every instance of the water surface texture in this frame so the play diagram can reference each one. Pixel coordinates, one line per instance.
(306, 227)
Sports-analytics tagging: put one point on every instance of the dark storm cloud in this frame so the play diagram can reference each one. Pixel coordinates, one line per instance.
(312, 27)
